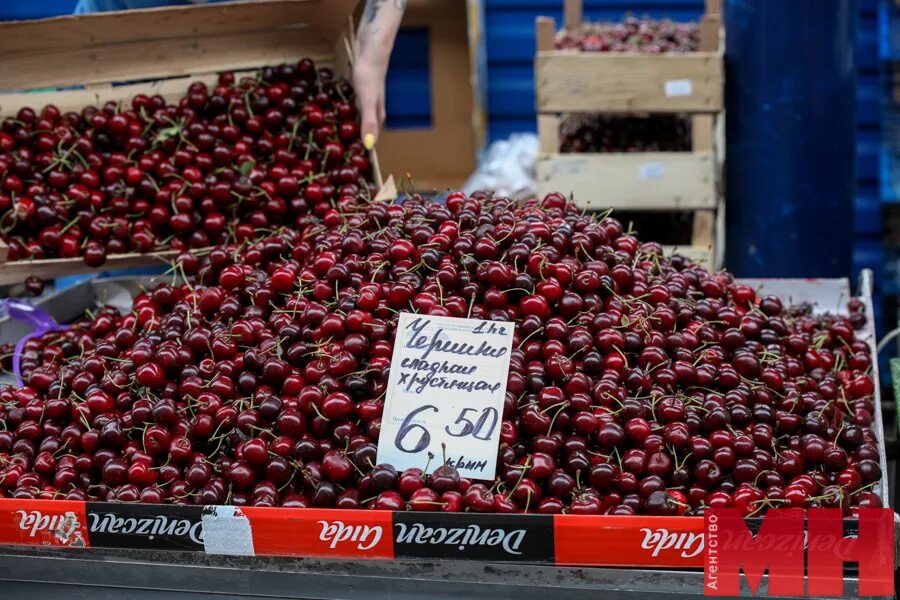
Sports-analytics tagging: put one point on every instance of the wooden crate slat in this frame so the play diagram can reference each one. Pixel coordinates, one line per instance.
(569, 81)
(699, 254)
(159, 58)
(167, 22)
(548, 133)
(170, 89)
(165, 42)
(573, 13)
(545, 30)
(640, 181)
(710, 30)
(703, 132)
(703, 228)
(50, 268)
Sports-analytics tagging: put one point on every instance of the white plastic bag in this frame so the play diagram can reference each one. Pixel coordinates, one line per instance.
(507, 168)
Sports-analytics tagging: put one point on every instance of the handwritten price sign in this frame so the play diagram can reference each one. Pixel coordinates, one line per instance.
(445, 394)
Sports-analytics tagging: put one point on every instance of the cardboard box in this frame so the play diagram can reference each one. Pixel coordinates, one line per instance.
(444, 155)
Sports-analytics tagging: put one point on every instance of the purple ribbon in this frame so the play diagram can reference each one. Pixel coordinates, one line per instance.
(38, 320)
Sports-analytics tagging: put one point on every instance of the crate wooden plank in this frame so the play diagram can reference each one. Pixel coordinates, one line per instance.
(165, 42)
(573, 13)
(703, 125)
(548, 133)
(172, 88)
(713, 7)
(567, 81)
(171, 22)
(66, 100)
(545, 29)
(640, 181)
(220, 53)
(703, 132)
(699, 254)
(703, 230)
(51, 268)
(710, 33)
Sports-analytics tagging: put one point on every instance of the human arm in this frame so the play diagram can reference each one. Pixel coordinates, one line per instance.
(375, 40)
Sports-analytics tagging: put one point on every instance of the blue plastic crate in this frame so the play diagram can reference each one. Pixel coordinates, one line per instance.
(14, 10)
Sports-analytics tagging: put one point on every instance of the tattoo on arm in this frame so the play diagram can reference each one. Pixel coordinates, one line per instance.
(373, 6)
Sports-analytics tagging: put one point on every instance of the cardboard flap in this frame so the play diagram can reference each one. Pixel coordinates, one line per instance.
(441, 156)
(388, 191)
(167, 42)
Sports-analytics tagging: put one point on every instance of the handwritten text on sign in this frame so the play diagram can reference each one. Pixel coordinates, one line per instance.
(445, 394)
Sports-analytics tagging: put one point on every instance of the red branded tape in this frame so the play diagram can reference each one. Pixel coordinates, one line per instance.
(321, 532)
(44, 523)
(605, 540)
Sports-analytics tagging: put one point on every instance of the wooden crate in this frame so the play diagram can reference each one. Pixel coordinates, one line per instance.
(574, 81)
(570, 81)
(636, 181)
(443, 155)
(165, 49)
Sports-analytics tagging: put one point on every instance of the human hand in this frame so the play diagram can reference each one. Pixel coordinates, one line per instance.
(368, 80)
(377, 32)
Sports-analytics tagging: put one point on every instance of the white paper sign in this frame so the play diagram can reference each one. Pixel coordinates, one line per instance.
(678, 87)
(445, 394)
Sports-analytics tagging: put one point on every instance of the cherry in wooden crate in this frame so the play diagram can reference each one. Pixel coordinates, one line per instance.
(117, 56)
(572, 82)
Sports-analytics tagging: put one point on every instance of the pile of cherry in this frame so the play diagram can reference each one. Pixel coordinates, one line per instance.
(631, 35)
(221, 165)
(638, 383)
(606, 133)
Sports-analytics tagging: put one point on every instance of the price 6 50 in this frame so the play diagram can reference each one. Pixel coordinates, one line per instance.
(481, 429)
